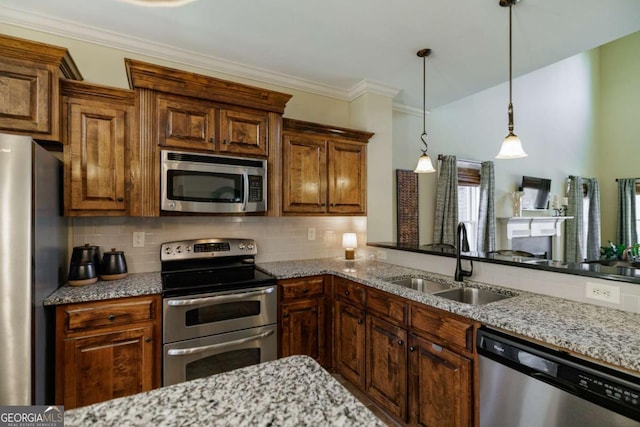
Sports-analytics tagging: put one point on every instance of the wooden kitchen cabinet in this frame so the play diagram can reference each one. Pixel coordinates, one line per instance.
(349, 342)
(107, 349)
(29, 94)
(244, 132)
(186, 123)
(99, 126)
(441, 385)
(303, 320)
(324, 169)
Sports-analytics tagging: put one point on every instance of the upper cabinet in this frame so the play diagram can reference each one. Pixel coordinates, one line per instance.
(324, 169)
(29, 95)
(193, 112)
(98, 135)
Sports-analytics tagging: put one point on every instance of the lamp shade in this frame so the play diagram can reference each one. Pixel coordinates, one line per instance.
(511, 148)
(349, 241)
(424, 165)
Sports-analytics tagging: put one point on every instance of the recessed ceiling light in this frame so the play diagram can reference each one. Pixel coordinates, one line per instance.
(158, 3)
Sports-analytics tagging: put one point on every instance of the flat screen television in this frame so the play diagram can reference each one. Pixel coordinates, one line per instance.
(536, 192)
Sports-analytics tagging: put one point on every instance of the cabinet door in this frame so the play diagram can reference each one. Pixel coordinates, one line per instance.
(350, 343)
(303, 329)
(386, 363)
(103, 367)
(25, 90)
(186, 123)
(440, 385)
(244, 132)
(95, 157)
(304, 175)
(347, 175)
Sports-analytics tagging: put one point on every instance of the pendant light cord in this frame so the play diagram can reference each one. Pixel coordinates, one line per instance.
(510, 111)
(424, 135)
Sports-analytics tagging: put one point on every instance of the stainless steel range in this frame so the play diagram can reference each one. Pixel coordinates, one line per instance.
(219, 310)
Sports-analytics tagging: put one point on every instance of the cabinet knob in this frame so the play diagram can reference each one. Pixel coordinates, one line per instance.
(285, 315)
(412, 348)
(332, 204)
(120, 199)
(212, 140)
(400, 342)
(305, 290)
(346, 293)
(224, 141)
(147, 339)
(111, 317)
(359, 321)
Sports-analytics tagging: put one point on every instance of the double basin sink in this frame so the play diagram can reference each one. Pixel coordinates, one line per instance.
(472, 296)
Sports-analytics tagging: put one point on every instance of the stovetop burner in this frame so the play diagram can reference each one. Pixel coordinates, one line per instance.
(206, 265)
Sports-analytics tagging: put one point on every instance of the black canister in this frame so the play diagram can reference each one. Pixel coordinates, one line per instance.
(113, 266)
(86, 253)
(82, 273)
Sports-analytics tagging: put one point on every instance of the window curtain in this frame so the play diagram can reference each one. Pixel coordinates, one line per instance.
(626, 233)
(593, 227)
(486, 237)
(446, 219)
(574, 230)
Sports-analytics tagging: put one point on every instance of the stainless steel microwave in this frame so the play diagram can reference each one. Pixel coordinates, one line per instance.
(212, 184)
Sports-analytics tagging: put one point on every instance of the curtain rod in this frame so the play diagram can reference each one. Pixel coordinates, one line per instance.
(462, 160)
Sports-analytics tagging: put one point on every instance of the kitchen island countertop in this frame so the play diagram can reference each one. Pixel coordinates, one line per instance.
(294, 391)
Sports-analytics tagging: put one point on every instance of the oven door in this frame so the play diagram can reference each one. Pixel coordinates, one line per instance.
(201, 357)
(196, 316)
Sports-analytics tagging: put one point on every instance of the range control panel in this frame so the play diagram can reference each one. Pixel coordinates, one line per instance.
(207, 248)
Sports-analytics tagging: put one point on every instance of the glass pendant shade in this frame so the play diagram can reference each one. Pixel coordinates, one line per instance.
(511, 148)
(424, 165)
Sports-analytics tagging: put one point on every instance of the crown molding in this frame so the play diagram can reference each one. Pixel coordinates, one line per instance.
(81, 32)
(407, 109)
(369, 86)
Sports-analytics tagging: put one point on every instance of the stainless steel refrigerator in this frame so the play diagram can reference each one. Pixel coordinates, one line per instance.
(33, 253)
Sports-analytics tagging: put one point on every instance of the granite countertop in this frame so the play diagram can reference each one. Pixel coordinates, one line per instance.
(604, 334)
(601, 333)
(294, 391)
(131, 286)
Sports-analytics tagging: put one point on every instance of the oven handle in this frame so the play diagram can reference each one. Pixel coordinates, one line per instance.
(219, 298)
(194, 350)
(245, 179)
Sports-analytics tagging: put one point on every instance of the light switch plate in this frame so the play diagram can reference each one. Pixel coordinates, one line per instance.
(138, 239)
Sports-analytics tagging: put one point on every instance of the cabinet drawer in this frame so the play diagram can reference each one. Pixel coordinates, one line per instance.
(350, 291)
(445, 328)
(98, 315)
(306, 288)
(387, 306)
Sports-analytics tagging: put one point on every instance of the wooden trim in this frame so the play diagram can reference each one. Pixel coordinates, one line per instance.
(28, 50)
(86, 90)
(326, 131)
(143, 75)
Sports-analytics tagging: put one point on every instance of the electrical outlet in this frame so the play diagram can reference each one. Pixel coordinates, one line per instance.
(602, 292)
(138, 239)
(311, 233)
(381, 254)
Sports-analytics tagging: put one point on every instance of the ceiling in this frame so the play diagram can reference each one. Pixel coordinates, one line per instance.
(331, 46)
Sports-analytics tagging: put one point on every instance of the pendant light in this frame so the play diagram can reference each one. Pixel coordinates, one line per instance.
(511, 146)
(424, 162)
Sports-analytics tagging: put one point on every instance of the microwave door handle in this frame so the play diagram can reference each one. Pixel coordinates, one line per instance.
(194, 350)
(245, 179)
(220, 298)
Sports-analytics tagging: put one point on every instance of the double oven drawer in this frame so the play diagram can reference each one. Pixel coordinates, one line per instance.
(189, 317)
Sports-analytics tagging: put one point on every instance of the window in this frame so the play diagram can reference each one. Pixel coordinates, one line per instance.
(469, 198)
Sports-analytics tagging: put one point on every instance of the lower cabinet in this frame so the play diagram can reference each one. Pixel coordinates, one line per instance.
(107, 349)
(440, 385)
(303, 320)
(349, 342)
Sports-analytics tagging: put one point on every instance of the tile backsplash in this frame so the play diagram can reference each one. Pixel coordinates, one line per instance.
(278, 238)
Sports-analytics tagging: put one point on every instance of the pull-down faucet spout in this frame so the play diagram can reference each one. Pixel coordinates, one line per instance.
(462, 244)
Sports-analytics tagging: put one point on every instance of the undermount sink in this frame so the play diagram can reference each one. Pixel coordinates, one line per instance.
(473, 296)
(420, 284)
(615, 263)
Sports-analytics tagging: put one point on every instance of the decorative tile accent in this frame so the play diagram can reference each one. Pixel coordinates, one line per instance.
(407, 201)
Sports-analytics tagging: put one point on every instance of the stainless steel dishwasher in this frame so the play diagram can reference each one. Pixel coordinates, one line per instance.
(523, 384)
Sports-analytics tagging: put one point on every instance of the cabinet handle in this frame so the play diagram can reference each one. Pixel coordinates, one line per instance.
(120, 199)
(359, 321)
(400, 342)
(346, 293)
(147, 339)
(111, 317)
(412, 348)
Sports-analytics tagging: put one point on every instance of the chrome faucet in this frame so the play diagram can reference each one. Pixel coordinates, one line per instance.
(462, 244)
